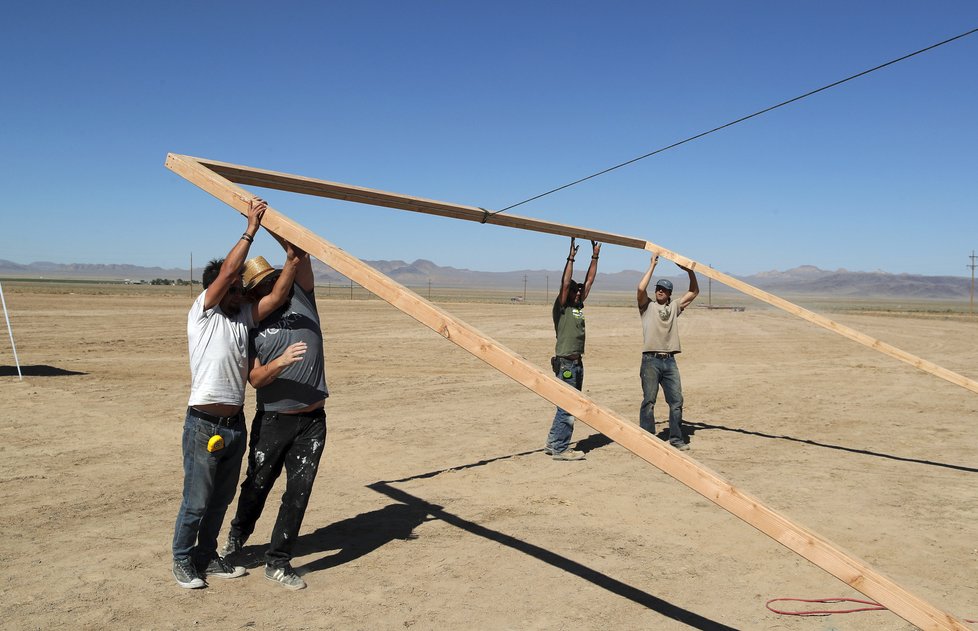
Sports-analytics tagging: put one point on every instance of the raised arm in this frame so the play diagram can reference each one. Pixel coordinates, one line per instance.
(592, 269)
(694, 289)
(303, 275)
(565, 280)
(260, 375)
(283, 285)
(231, 268)
(643, 286)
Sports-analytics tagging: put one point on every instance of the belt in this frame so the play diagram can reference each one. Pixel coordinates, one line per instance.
(574, 358)
(222, 421)
(314, 414)
(659, 355)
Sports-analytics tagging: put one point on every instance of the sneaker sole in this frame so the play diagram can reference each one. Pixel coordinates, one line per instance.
(560, 458)
(194, 584)
(238, 573)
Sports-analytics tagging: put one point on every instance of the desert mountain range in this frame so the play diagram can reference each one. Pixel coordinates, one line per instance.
(806, 279)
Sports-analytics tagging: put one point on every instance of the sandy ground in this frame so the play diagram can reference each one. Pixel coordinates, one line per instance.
(435, 507)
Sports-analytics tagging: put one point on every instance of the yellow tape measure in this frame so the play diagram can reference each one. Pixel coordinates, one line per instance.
(216, 443)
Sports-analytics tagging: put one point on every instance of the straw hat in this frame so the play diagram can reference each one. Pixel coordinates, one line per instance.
(256, 270)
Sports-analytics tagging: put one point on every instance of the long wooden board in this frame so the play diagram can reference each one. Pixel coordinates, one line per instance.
(322, 188)
(795, 537)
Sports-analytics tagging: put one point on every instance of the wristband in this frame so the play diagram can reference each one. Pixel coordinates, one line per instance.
(247, 237)
(594, 258)
(569, 258)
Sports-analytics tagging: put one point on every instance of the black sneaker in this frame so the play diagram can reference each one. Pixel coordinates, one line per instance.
(186, 574)
(233, 545)
(219, 568)
(284, 575)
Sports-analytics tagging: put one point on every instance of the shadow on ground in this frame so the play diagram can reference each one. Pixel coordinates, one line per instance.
(692, 428)
(39, 370)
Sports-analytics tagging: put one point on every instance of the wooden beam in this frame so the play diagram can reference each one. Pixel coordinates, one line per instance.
(820, 320)
(795, 537)
(322, 188)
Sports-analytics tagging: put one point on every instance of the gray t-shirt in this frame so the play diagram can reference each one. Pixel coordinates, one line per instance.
(304, 382)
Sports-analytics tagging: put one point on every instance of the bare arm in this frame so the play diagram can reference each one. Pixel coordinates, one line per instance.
(694, 289)
(283, 285)
(303, 275)
(568, 273)
(643, 286)
(592, 269)
(231, 268)
(260, 375)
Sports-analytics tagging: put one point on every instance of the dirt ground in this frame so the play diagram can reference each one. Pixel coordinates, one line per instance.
(435, 506)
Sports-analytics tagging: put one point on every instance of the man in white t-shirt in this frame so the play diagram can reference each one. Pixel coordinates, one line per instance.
(661, 345)
(214, 433)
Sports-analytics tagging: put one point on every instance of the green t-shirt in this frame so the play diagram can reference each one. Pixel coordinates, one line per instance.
(569, 325)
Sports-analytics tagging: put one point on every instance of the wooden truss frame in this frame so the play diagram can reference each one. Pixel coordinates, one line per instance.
(218, 178)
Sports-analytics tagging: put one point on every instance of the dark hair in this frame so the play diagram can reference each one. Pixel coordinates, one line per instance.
(211, 271)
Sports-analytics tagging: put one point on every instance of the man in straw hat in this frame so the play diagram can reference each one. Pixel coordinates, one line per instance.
(289, 429)
(661, 345)
(214, 431)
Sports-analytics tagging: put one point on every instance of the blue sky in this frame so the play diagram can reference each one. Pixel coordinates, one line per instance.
(488, 104)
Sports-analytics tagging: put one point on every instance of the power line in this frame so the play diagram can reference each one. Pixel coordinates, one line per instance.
(739, 120)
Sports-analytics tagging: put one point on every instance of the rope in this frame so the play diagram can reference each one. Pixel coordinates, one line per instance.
(739, 120)
(870, 606)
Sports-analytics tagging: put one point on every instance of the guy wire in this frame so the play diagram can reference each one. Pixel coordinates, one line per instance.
(734, 122)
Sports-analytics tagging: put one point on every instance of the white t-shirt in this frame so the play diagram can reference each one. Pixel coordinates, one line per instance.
(218, 353)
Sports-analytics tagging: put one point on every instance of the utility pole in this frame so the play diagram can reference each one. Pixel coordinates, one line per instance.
(548, 289)
(710, 290)
(351, 289)
(524, 287)
(192, 274)
(429, 290)
(972, 266)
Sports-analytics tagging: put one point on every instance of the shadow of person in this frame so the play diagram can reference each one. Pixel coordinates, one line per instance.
(39, 370)
(351, 538)
(592, 442)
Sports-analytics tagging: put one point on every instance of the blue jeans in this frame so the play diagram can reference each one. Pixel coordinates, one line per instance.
(209, 482)
(664, 371)
(571, 372)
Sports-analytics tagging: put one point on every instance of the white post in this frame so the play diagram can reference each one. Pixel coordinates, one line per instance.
(11, 331)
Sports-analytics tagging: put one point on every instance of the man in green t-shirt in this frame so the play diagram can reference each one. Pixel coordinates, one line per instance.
(568, 314)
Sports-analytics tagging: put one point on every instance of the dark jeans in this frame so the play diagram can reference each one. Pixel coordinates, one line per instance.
(209, 481)
(295, 441)
(570, 371)
(664, 371)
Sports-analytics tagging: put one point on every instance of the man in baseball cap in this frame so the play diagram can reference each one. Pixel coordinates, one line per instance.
(661, 345)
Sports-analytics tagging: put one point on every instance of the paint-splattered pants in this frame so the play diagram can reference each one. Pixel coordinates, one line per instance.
(295, 441)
